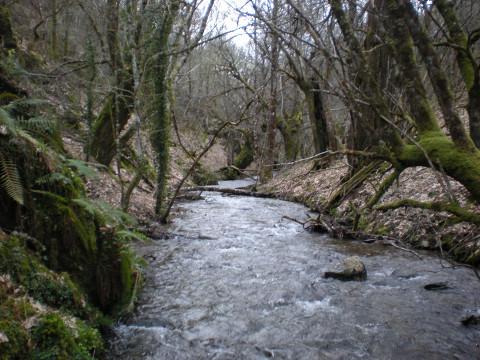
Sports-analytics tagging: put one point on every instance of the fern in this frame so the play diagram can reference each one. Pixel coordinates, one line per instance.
(108, 214)
(39, 124)
(54, 178)
(10, 179)
(82, 168)
(129, 235)
(21, 104)
(8, 123)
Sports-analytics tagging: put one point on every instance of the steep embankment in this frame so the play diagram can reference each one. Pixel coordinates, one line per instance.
(314, 186)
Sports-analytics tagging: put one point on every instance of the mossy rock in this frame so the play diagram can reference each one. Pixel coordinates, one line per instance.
(229, 173)
(245, 156)
(203, 177)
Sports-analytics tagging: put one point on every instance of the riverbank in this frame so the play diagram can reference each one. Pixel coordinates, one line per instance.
(308, 184)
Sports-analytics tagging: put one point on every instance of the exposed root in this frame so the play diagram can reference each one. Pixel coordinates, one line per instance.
(460, 213)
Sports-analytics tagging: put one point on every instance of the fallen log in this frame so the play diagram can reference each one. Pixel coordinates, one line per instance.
(229, 191)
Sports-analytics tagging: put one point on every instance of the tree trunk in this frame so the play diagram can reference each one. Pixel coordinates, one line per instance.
(469, 69)
(119, 104)
(267, 166)
(7, 39)
(316, 114)
(160, 137)
(432, 148)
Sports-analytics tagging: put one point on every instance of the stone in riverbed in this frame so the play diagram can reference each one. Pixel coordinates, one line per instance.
(353, 270)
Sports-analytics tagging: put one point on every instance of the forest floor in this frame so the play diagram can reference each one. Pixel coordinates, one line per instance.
(419, 228)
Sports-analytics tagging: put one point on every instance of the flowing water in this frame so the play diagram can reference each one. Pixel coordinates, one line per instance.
(236, 280)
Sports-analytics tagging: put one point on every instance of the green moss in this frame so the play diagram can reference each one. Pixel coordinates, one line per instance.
(202, 177)
(228, 173)
(245, 156)
(462, 165)
(6, 97)
(17, 345)
(39, 282)
(6, 35)
(55, 340)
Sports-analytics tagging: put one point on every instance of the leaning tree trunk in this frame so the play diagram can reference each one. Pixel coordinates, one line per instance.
(454, 153)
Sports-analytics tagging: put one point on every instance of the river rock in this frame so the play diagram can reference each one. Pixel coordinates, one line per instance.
(353, 270)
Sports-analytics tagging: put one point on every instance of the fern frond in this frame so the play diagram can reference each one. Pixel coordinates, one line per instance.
(129, 235)
(82, 168)
(7, 122)
(107, 213)
(53, 178)
(40, 124)
(23, 103)
(10, 179)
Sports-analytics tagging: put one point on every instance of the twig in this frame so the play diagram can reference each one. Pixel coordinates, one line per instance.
(391, 243)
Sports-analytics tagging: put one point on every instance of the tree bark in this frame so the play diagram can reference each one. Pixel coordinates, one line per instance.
(316, 113)
(160, 136)
(469, 68)
(267, 166)
(119, 104)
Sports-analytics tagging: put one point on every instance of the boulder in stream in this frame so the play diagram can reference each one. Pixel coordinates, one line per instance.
(353, 270)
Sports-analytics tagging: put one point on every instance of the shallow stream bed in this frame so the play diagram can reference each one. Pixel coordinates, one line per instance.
(236, 280)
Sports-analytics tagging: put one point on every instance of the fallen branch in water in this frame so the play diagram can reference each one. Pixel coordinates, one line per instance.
(238, 192)
(295, 220)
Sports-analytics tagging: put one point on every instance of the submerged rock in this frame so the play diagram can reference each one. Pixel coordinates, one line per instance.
(436, 286)
(353, 270)
(471, 318)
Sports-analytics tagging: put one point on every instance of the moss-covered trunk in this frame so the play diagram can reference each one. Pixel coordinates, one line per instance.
(452, 153)
(111, 120)
(119, 104)
(467, 64)
(160, 136)
(289, 126)
(460, 164)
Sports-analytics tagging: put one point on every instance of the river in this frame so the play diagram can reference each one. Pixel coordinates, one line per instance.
(236, 280)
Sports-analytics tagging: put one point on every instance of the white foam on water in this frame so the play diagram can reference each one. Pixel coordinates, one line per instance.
(311, 307)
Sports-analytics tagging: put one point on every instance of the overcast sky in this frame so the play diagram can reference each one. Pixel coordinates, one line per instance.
(231, 20)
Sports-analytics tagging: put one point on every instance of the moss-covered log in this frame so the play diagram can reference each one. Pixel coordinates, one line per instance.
(462, 165)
